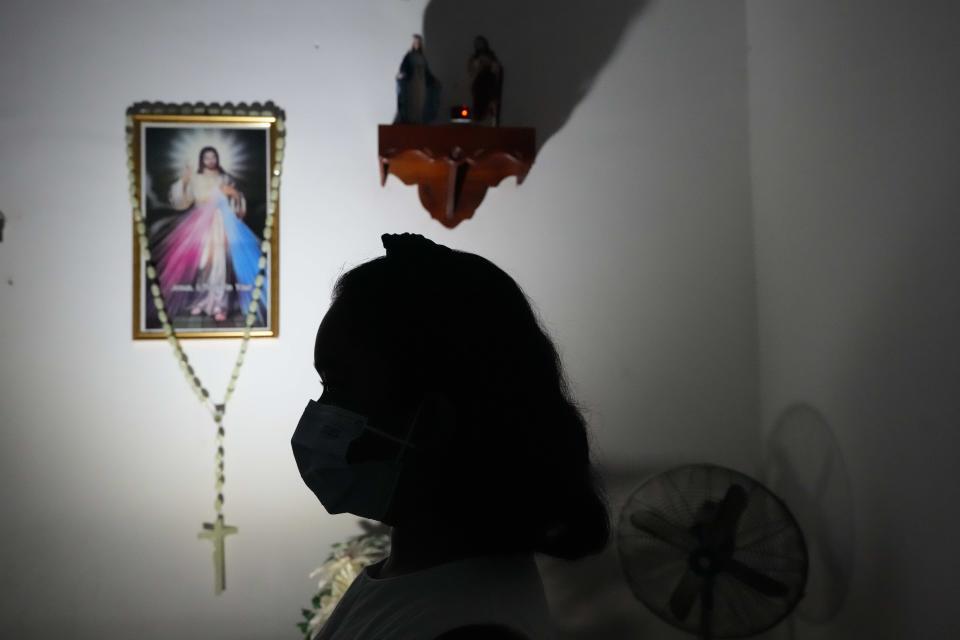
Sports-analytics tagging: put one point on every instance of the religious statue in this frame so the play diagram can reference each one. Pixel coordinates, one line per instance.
(418, 90)
(486, 83)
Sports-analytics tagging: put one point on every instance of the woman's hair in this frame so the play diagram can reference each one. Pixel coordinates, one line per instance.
(518, 466)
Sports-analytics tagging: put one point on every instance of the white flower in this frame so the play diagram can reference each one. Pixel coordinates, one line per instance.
(327, 605)
(336, 575)
(328, 571)
(344, 578)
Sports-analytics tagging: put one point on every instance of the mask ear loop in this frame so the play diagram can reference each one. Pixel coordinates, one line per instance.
(404, 442)
(407, 441)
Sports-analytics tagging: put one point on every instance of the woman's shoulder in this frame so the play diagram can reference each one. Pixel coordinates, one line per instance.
(482, 632)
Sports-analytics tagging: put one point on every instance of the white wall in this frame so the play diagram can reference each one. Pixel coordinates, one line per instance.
(856, 176)
(632, 234)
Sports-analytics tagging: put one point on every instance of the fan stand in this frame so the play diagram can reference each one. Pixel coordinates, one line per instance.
(706, 607)
(705, 564)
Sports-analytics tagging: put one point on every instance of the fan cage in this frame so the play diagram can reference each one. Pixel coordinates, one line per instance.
(767, 539)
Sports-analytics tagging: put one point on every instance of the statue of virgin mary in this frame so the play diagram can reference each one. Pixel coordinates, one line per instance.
(418, 90)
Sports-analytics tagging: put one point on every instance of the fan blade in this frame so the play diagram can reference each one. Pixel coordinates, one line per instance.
(728, 515)
(648, 557)
(664, 530)
(685, 595)
(756, 580)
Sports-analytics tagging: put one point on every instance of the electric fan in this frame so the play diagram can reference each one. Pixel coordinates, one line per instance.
(712, 551)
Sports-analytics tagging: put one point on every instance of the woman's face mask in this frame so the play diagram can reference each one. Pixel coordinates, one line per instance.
(320, 443)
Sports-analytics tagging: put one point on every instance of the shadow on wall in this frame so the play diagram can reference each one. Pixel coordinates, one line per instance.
(551, 52)
(805, 467)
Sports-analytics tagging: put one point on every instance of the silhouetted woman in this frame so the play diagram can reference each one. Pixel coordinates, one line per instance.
(445, 414)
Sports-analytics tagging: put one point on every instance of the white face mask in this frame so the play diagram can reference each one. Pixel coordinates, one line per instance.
(320, 444)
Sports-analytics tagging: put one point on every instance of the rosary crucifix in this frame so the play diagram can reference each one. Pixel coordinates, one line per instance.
(217, 533)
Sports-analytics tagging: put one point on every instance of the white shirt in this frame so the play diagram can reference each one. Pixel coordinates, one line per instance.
(502, 590)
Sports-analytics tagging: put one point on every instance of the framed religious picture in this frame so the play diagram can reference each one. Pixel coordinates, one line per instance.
(204, 184)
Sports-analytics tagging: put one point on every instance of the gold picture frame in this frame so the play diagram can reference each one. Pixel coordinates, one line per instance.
(204, 189)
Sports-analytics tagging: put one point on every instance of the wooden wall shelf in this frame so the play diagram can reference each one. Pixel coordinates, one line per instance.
(453, 165)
